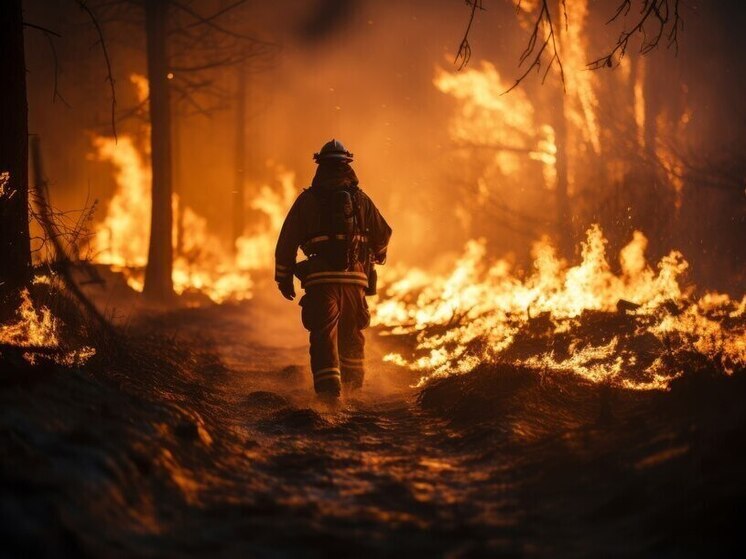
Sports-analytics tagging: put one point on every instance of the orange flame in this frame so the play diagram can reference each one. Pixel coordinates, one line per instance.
(204, 265)
(507, 124)
(40, 329)
(484, 302)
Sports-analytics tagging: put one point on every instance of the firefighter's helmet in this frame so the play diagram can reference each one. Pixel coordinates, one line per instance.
(333, 149)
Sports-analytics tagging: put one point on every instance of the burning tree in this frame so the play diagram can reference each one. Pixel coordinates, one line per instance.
(558, 40)
(184, 50)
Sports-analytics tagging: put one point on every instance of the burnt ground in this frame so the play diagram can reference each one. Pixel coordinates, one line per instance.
(202, 438)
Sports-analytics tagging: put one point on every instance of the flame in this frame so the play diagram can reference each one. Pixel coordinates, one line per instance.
(505, 123)
(120, 239)
(669, 160)
(639, 103)
(4, 179)
(475, 312)
(203, 262)
(581, 103)
(256, 251)
(40, 329)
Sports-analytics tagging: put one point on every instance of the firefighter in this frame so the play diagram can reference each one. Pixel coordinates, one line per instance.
(343, 236)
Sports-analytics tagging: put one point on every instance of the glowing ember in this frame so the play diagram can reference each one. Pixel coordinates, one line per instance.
(40, 329)
(4, 178)
(475, 313)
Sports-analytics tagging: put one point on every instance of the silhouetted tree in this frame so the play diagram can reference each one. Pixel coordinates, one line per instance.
(15, 250)
(185, 53)
(158, 282)
(655, 21)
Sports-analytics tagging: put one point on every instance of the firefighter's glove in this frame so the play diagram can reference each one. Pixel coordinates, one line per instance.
(287, 289)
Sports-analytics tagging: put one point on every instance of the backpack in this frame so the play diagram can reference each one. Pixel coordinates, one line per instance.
(341, 222)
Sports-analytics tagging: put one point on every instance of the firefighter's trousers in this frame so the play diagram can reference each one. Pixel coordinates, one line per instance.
(335, 314)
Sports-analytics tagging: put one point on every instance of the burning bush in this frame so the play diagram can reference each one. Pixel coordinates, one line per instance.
(36, 334)
(638, 329)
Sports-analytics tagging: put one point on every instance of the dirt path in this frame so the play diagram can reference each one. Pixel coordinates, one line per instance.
(374, 475)
(222, 450)
(381, 476)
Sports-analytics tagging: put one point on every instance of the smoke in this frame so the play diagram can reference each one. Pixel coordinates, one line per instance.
(326, 18)
(364, 72)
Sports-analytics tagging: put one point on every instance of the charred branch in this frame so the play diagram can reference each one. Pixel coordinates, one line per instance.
(109, 76)
(48, 34)
(208, 21)
(44, 30)
(542, 37)
(661, 15)
(55, 88)
(464, 50)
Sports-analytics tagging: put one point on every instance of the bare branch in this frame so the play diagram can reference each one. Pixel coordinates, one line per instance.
(661, 14)
(208, 21)
(535, 47)
(533, 54)
(45, 30)
(110, 78)
(464, 49)
(55, 92)
(227, 61)
(219, 13)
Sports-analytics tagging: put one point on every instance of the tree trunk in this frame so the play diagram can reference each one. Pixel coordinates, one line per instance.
(565, 239)
(565, 236)
(239, 187)
(158, 281)
(15, 251)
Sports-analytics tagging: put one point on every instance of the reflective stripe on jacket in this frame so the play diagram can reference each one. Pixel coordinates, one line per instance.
(304, 227)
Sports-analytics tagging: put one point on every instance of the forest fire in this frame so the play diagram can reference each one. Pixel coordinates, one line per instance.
(476, 312)
(370, 279)
(202, 264)
(492, 120)
(479, 310)
(39, 332)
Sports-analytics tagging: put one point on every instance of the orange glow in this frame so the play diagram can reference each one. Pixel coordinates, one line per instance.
(639, 92)
(40, 329)
(255, 251)
(669, 160)
(581, 104)
(504, 123)
(4, 178)
(204, 264)
(484, 301)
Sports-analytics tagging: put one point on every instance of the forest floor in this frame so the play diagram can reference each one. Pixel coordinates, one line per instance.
(219, 448)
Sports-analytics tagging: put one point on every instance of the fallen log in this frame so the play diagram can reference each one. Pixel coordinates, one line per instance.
(624, 307)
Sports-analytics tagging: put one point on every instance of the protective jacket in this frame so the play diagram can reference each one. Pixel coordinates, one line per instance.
(339, 250)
